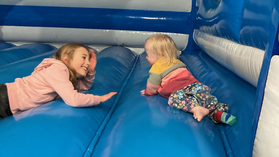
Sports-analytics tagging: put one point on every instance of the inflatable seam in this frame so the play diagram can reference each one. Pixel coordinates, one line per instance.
(225, 141)
(94, 141)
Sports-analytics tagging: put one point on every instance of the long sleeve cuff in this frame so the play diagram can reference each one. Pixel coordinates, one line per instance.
(147, 92)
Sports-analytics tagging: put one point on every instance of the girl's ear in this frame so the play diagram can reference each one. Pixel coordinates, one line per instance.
(65, 59)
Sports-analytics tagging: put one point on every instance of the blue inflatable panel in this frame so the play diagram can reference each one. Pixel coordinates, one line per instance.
(147, 126)
(256, 21)
(94, 18)
(24, 51)
(232, 90)
(244, 21)
(220, 18)
(21, 68)
(6, 45)
(56, 129)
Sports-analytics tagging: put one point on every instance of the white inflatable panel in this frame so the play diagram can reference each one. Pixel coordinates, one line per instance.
(245, 61)
(85, 36)
(161, 5)
(267, 138)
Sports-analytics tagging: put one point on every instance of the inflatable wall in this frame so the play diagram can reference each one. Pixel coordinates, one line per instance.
(231, 46)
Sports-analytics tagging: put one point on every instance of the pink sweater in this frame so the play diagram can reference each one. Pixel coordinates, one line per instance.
(48, 82)
(166, 79)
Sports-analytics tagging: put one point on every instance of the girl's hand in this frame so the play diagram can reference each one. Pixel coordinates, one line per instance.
(142, 92)
(107, 96)
(93, 61)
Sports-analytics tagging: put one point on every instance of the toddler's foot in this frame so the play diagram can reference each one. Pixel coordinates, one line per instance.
(225, 117)
(199, 112)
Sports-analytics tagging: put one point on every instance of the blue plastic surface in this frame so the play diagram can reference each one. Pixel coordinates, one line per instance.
(232, 90)
(17, 53)
(5, 45)
(130, 124)
(256, 21)
(22, 67)
(94, 18)
(56, 129)
(244, 21)
(220, 18)
(147, 126)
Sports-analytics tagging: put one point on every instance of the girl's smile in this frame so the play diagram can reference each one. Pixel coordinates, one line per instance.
(80, 62)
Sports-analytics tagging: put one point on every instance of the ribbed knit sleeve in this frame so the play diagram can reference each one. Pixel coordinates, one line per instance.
(63, 87)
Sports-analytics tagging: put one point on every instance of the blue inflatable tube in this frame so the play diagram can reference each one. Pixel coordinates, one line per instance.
(6, 45)
(17, 53)
(113, 19)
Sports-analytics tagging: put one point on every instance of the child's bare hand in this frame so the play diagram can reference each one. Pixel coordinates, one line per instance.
(142, 92)
(107, 96)
(93, 61)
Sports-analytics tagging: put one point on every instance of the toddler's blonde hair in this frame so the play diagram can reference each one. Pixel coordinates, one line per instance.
(163, 46)
(69, 49)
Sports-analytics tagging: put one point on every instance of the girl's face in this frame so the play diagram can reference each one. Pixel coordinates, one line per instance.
(150, 54)
(80, 61)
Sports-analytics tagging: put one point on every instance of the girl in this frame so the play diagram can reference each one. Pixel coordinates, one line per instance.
(72, 68)
(169, 77)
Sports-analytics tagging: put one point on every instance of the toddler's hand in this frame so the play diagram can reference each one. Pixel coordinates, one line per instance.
(107, 96)
(93, 61)
(142, 92)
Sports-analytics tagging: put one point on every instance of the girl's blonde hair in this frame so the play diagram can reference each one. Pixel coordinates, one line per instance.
(163, 46)
(69, 49)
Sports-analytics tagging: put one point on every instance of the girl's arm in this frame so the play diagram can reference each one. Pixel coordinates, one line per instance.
(64, 88)
(86, 82)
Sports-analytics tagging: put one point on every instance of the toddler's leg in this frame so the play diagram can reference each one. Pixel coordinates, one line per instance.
(225, 117)
(220, 115)
(199, 112)
(202, 95)
(181, 100)
(187, 103)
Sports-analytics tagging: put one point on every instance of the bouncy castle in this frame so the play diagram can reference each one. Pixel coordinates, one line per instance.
(229, 45)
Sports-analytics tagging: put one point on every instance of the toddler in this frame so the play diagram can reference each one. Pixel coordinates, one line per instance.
(169, 77)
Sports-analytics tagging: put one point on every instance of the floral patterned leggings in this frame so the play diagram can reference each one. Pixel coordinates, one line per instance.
(196, 94)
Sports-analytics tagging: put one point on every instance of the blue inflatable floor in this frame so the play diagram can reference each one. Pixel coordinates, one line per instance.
(129, 124)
